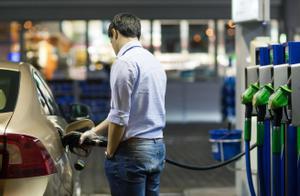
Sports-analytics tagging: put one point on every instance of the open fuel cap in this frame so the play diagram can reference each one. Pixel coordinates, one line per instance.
(80, 125)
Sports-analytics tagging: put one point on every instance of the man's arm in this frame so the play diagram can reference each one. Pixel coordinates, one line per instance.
(101, 129)
(115, 134)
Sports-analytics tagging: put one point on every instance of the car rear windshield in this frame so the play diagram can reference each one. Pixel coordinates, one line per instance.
(9, 88)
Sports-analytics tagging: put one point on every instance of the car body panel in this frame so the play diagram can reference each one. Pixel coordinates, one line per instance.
(10, 66)
(33, 118)
(29, 118)
(24, 186)
(33, 186)
(4, 119)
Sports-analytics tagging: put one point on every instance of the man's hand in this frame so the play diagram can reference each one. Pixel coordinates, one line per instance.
(88, 134)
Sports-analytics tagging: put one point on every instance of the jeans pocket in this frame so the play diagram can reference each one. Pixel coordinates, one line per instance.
(161, 155)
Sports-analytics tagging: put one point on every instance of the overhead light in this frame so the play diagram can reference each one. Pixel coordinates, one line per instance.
(197, 38)
(28, 24)
(209, 32)
(231, 24)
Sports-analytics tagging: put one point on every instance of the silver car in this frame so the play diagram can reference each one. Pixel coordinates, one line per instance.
(33, 160)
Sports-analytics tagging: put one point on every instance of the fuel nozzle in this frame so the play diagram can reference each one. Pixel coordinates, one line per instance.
(277, 101)
(280, 98)
(262, 96)
(247, 97)
(260, 100)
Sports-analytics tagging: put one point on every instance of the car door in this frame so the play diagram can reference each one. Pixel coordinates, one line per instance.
(59, 124)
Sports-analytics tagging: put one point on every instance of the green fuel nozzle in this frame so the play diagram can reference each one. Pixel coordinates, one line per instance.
(260, 101)
(247, 97)
(262, 96)
(277, 101)
(248, 94)
(280, 98)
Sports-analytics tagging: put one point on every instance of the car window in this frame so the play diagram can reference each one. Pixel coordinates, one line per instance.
(9, 89)
(45, 95)
(43, 102)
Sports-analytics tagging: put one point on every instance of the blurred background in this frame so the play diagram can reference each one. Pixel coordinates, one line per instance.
(195, 41)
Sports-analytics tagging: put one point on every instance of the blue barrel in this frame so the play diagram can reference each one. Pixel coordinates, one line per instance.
(225, 143)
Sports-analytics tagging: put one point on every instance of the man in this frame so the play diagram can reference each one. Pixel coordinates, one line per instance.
(135, 152)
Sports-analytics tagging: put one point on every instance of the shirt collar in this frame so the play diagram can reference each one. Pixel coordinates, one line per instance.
(127, 46)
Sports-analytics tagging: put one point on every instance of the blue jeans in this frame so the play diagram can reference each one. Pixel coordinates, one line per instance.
(136, 167)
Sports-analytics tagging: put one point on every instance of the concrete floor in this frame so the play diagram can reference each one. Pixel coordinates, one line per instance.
(187, 143)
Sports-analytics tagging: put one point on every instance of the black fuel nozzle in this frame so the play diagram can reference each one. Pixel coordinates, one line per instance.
(100, 141)
(72, 139)
(277, 116)
(261, 112)
(248, 110)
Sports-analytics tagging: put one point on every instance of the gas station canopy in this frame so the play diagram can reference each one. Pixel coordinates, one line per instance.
(105, 9)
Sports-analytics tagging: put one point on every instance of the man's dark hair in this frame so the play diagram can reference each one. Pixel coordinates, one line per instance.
(127, 24)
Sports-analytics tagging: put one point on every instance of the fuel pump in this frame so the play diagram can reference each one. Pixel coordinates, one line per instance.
(251, 73)
(260, 101)
(277, 102)
(293, 134)
(284, 104)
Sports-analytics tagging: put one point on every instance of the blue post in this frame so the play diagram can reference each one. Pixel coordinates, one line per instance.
(278, 54)
(294, 52)
(298, 175)
(298, 161)
(264, 56)
(278, 166)
(291, 161)
(267, 157)
(282, 160)
(292, 170)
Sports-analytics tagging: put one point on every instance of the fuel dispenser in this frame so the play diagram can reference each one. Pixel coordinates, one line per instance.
(260, 101)
(278, 101)
(252, 86)
(278, 176)
(284, 104)
(294, 132)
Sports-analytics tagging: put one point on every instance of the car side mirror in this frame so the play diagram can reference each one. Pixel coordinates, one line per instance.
(79, 111)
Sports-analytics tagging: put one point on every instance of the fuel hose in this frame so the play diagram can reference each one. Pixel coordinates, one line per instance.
(102, 142)
(208, 167)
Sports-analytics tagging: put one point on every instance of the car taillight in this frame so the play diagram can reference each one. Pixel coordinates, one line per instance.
(24, 156)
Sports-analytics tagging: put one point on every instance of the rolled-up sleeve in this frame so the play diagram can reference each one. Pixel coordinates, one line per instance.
(123, 76)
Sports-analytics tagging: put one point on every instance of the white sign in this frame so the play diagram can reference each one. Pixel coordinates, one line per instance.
(250, 10)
